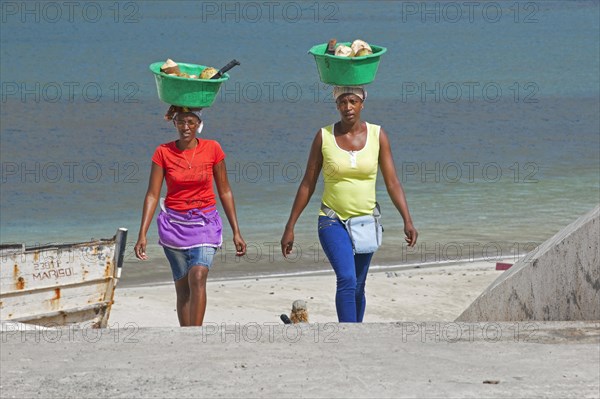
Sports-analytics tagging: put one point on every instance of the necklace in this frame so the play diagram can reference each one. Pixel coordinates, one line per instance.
(193, 155)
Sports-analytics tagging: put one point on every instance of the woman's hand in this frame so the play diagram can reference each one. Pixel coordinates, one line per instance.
(226, 196)
(394, 187)
(411, 234)
(305, 191)
(240, 245)
(140, 248)
(150, 202)
(287, 242)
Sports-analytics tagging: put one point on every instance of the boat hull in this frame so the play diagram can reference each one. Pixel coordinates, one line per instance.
(60, 285)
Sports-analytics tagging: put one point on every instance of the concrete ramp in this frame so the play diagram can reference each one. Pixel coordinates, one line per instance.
(332, 360)
(558, 281)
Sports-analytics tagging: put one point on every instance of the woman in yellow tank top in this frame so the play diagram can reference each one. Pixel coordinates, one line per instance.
(349, 153)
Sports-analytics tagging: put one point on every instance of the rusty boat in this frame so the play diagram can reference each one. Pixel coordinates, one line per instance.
(61, 285)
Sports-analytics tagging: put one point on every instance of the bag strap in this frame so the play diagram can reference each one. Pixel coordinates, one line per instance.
(377, 210)
(331, 213)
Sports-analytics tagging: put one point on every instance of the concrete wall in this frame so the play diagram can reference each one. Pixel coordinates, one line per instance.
(558, 281)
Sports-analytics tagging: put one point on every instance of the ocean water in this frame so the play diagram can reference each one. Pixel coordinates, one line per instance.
(492, 110)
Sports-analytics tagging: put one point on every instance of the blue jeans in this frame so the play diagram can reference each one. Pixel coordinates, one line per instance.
(182, 260)
(350, 269)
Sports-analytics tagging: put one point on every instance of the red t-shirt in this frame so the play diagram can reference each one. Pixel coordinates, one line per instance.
(189, 173)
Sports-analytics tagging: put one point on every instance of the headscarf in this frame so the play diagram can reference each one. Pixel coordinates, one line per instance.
(174, 110)
(357, 90)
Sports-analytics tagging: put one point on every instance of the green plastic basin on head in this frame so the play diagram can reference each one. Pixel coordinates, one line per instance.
(346, 71)
(186, 92)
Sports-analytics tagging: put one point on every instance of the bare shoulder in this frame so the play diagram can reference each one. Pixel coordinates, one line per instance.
(383, 137)
(318, 137)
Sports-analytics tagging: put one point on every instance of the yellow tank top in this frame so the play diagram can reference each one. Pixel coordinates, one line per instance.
(349, 176)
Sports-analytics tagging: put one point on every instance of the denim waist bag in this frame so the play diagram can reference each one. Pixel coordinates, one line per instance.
(194, 228)
(366, 232)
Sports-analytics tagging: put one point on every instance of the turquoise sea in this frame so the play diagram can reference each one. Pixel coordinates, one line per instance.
(492, 108)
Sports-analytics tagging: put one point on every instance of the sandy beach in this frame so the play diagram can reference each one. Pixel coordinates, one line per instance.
(438, 293)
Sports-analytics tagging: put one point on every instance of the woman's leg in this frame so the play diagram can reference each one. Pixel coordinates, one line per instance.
(362, 262)
(190, 282)
(178, 260)
(338, 248)
(182, 289)
(197, 300)
(201, 258)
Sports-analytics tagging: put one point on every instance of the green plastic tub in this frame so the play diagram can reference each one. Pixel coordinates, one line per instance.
(185, 92)
(346, 71)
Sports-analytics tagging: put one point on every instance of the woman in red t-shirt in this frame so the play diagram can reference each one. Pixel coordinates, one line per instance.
(189, 225)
